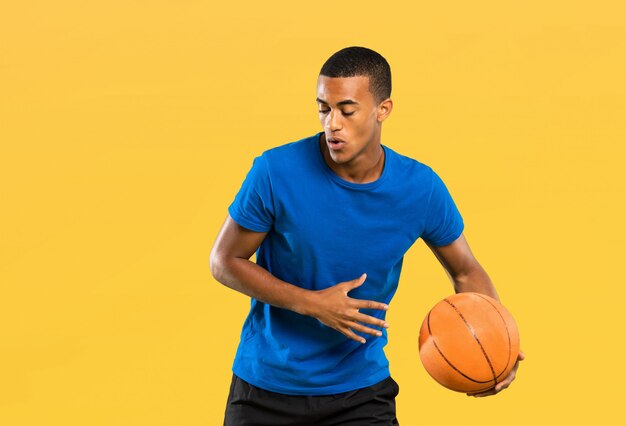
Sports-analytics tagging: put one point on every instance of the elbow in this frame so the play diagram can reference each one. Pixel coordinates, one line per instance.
(216, 265)
(476, 281)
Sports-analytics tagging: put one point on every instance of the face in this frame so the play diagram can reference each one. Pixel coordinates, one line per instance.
(350, 117)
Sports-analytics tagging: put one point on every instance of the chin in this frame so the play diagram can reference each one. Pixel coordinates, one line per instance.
(340, 159)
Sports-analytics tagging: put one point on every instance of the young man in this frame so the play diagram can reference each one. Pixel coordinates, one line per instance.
(330, 218)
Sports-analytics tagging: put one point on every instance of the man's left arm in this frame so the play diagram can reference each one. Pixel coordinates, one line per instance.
(467, 275)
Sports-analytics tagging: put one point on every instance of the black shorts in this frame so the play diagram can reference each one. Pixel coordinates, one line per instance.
(249, 405)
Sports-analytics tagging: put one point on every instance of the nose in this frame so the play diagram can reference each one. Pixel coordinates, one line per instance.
(334, 120)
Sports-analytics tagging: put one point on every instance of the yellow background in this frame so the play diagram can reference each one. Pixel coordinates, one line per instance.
(127, 127)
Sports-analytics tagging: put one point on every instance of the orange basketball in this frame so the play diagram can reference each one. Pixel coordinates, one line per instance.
(469, 342)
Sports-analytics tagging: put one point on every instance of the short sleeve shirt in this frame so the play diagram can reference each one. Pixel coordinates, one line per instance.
(323, 230)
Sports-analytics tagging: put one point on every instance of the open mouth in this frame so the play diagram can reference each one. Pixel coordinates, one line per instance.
(336, 141)
(335, 144)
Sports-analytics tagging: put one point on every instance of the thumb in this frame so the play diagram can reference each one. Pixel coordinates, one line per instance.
(356, 282)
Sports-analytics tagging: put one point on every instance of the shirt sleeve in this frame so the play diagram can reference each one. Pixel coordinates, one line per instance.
(444, 223)
(253, 206)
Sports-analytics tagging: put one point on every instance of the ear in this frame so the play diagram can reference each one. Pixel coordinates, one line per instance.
(384, 109)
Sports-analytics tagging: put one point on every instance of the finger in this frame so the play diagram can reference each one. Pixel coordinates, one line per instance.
(364, 329)
(371, 320)
(502, 385)
(507, 381)
(349, 333)
(488, 392)
(370, 304)
(521, 356)
(356, 282)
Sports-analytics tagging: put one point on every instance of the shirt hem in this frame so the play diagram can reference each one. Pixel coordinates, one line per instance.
(248, 224)
(448, 240)
(327, 390)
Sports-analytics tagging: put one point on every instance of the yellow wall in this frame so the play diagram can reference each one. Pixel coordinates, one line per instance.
(126, 128)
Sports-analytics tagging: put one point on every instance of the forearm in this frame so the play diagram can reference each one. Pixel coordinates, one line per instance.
(248, 278)
(475, 280)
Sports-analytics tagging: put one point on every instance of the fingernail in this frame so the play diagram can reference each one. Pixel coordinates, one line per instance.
(379, 334)
(385, 307)
(386, 325)
(363, 341)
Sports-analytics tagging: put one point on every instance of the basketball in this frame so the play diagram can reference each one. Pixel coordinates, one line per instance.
(469, 342)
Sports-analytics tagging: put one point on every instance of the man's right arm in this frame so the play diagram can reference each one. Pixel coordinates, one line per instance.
(230, 265)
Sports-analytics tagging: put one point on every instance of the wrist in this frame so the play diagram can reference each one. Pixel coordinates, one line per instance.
(304, 302)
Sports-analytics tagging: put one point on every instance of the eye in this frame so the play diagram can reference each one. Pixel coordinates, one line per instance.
(326, 111)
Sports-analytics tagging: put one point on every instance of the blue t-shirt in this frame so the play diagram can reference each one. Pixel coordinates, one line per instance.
(323, 230)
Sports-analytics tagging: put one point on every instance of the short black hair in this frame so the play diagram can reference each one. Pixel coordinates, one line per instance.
(360, 61)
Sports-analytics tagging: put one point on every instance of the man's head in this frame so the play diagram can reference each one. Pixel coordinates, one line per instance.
(360, 61)
(353, 91)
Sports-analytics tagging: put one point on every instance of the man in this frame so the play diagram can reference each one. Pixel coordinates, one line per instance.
(330, 218)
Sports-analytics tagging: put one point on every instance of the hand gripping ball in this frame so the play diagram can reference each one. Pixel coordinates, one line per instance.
(469, 342)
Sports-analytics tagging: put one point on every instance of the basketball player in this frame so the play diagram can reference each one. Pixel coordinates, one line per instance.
(330, 218)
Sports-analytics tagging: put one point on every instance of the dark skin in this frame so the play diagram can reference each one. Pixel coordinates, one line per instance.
(349, 113)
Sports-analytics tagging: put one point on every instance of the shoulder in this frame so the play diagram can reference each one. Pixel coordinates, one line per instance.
(289, 150)
(289, 159)
(409, 168)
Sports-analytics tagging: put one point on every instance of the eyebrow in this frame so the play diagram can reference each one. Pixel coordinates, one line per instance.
(344, 102)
